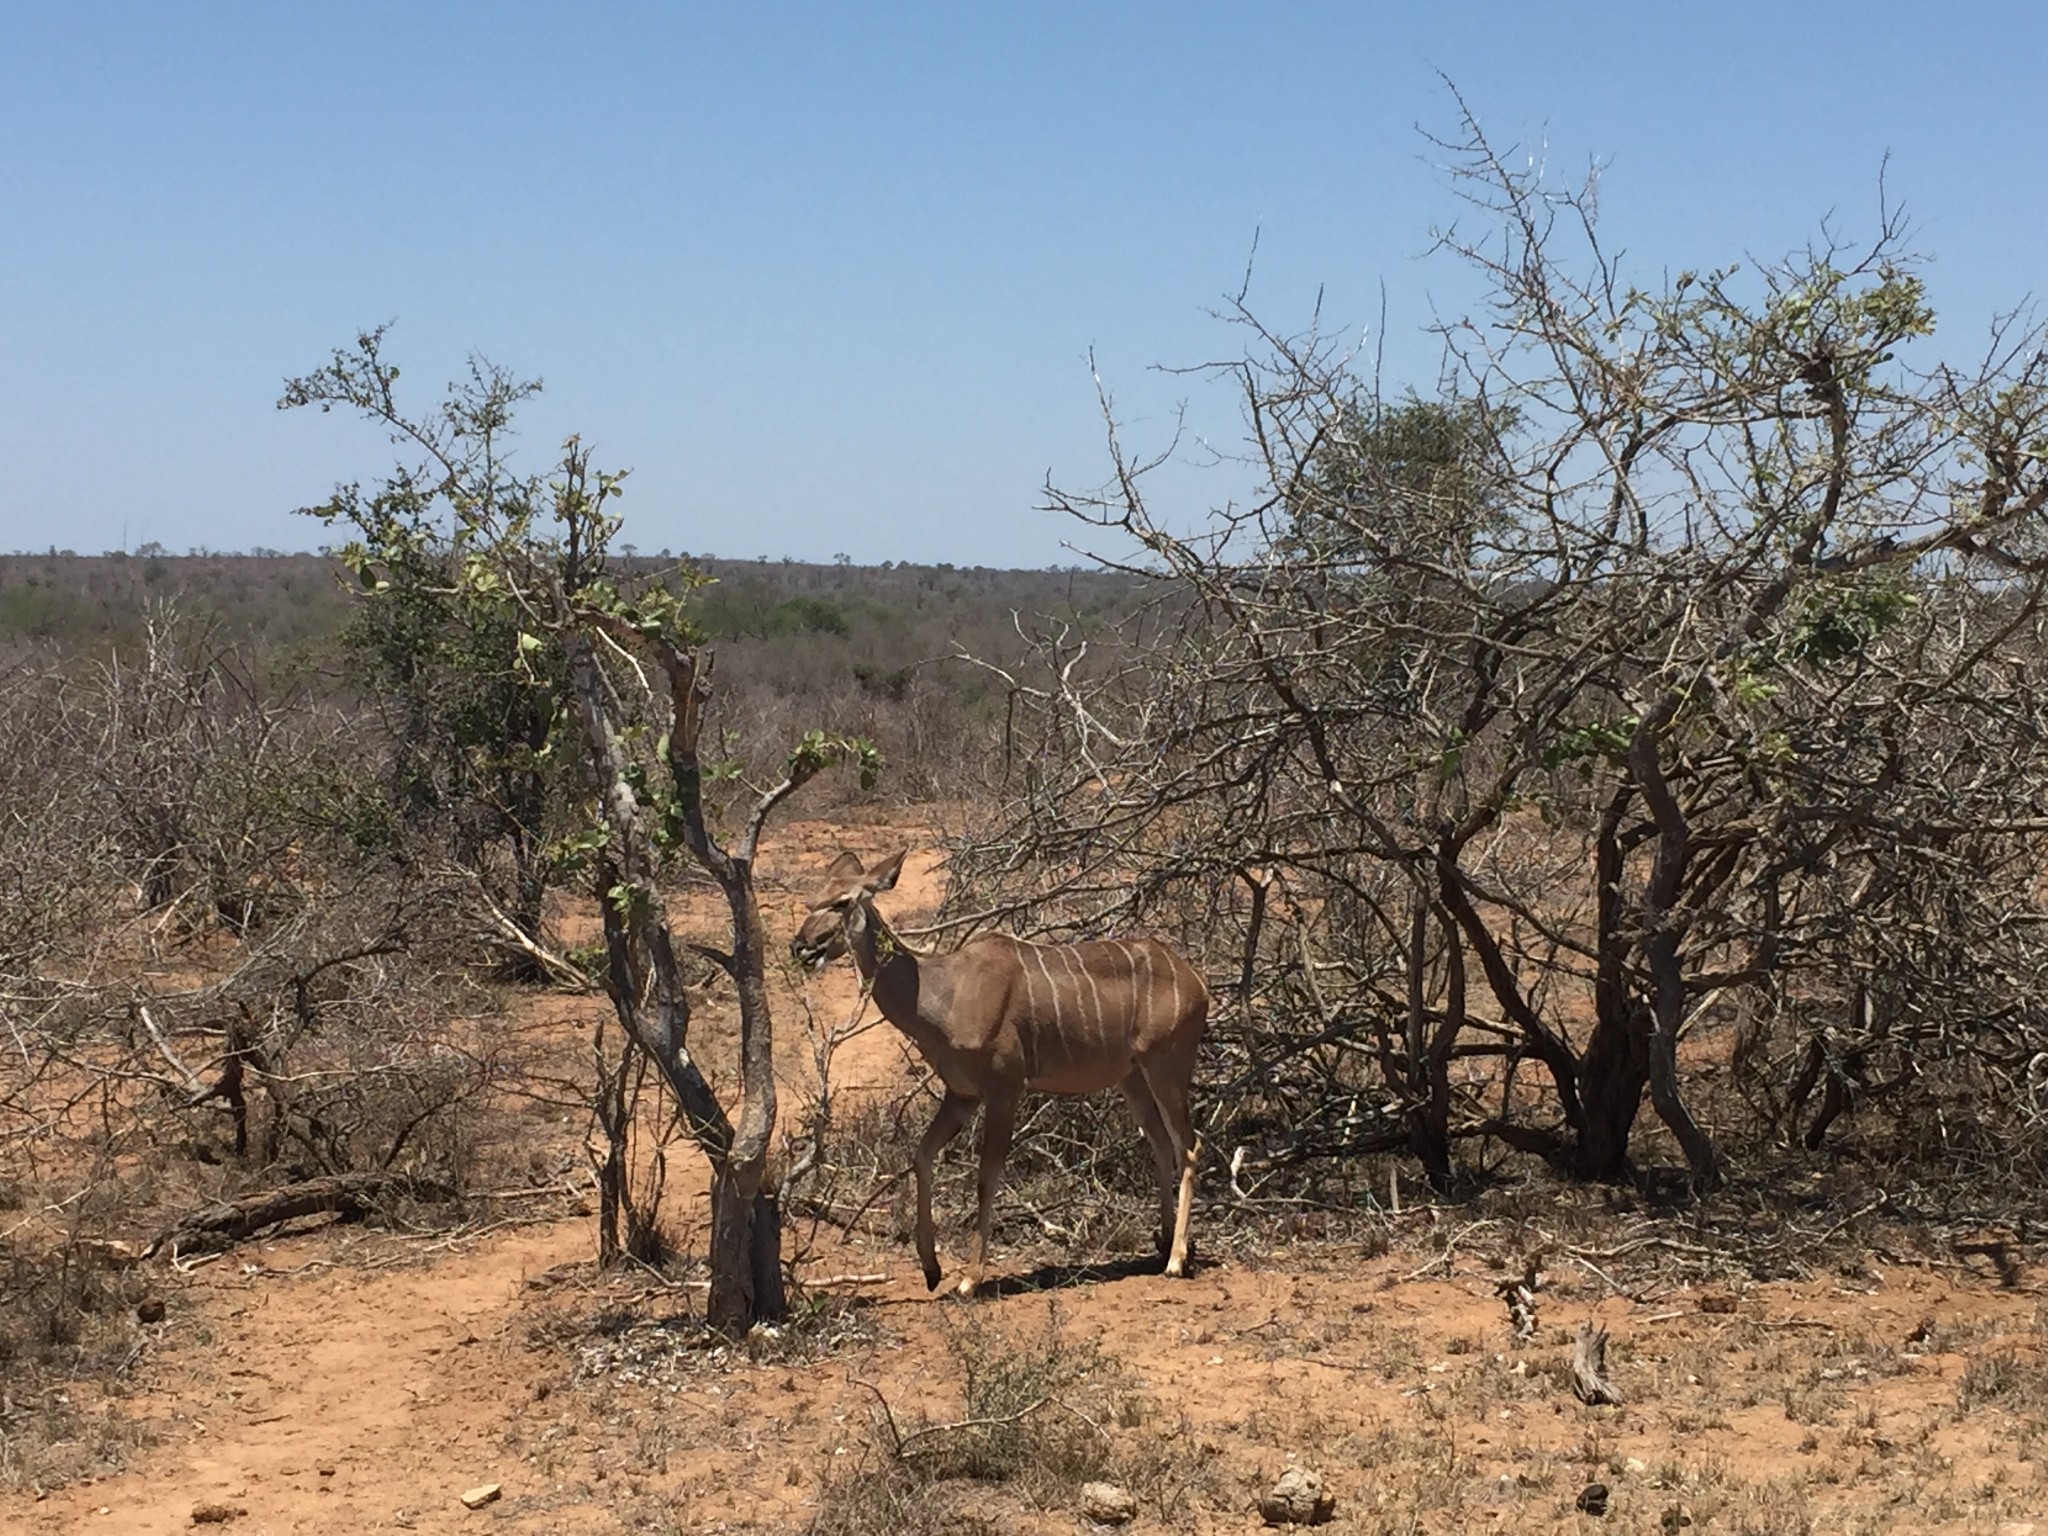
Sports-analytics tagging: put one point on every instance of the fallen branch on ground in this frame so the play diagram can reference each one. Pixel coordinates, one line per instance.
(1589, 1366)
(219, 1226)
(1519, 1292)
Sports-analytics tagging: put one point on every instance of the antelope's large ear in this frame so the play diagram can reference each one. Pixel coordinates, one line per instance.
(885, 873)
(844, 871)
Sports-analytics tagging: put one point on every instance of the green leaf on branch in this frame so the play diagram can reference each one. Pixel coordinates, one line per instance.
(628, 900)
(1606, 740)
(871, 761)
(569, 855)
(819, 750)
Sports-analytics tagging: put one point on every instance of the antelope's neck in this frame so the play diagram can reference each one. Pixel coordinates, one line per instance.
(889, 967)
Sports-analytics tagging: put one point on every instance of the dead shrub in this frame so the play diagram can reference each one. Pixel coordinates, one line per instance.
(1033, 1416)
(2004, 1378)
(67, 1330)
(877, 1500)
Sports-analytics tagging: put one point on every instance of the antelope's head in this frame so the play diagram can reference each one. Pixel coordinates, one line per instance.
(843, 910)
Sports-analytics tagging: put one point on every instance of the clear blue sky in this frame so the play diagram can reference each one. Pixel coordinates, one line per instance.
(825, 277)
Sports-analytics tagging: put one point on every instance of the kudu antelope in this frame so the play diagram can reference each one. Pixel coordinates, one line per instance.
(999, 1015)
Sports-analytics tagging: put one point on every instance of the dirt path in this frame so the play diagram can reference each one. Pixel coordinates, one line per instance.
(335, 1400)
(335, 1397)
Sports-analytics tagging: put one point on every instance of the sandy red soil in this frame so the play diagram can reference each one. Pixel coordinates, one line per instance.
(352, 1379)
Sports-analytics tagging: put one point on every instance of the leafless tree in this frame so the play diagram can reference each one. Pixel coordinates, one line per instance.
(1669, 671)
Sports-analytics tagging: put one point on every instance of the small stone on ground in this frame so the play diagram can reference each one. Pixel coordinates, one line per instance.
(1107, 1504)
(1298, 1499)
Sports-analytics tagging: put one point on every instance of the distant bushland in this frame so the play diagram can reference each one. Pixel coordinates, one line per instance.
(863, 649)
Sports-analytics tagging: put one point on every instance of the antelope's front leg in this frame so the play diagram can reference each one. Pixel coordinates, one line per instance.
(954, 1113)
(997, 1128)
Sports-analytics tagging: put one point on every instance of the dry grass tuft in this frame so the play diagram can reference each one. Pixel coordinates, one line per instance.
(1032, 1411)
(2005, 1378)
(68, 1331)
(1039, 1416)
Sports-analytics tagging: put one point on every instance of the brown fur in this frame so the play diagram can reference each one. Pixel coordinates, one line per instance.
(998, 1016)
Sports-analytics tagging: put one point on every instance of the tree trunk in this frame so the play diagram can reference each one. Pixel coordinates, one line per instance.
(1616, 1062)
(1667, 1014)
(611, 1108)
(746, 1251)
(746, 1223)
(528, 907)
(647, 992)
(1429, 1057)
(1589, 1366)
(1661, 926)
(1611, 1078)
(218, 1227)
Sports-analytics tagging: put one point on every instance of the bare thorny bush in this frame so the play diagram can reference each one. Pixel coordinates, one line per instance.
(918, 726)
(222, 969)
(1672, 678)
(1039, 1413)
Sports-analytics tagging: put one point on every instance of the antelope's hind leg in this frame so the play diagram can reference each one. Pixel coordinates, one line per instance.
(1146, 1111)
(1169, 1091)
(998, 1127)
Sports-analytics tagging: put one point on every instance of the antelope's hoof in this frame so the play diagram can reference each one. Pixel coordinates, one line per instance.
(968, 1285)
(1176, 1268)
(931, 1275)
